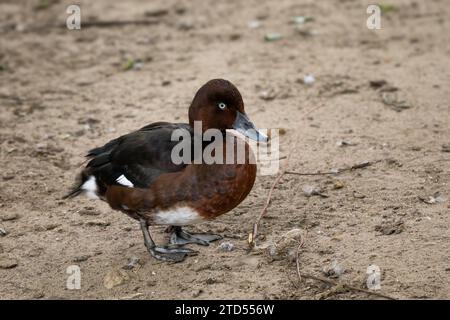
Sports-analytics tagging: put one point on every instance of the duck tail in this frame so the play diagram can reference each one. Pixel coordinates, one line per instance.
(77, 188)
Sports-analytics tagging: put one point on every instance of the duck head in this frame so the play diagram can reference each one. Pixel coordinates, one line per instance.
(219, 105)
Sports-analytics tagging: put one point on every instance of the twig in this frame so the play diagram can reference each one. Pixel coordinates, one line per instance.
(347, 286)
(115, 23)
(297, 258)
(329, 281)
(354, 167)
(96, 24)
(254, 233)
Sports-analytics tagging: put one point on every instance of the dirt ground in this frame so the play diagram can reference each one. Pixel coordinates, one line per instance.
(63, 92)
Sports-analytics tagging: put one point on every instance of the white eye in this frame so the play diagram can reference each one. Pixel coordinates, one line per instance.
(222, 105)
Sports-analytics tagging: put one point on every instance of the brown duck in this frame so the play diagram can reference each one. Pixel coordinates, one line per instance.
(136, 174)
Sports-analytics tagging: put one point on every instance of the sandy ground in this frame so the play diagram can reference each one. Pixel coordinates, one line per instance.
(63, 92)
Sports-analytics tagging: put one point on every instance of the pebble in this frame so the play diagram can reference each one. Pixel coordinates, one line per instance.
(185, 25)
(7, 262)
(338, 184)
(267, 95)
(196, 293)
(9, 216)
(309, 79)
(286, 245)
(132, 263)
(226, 246)
(81, 258)
(273, 37)
(334, 270)
(115, 278)
(254, 24)
(3, 232)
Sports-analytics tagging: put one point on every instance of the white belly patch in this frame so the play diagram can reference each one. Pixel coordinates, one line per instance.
(177, 217)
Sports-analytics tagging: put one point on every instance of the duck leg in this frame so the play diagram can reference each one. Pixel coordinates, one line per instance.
(169, 253)
(178, 236)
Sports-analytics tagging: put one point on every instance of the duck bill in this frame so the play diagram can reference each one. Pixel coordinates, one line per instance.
(243, 125)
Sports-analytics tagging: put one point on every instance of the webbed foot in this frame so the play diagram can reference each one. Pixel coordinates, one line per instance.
(180, 237)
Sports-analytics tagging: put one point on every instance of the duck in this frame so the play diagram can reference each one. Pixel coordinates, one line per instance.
(136, 173)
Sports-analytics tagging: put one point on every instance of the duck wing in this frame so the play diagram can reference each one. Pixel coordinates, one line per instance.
(133, 160)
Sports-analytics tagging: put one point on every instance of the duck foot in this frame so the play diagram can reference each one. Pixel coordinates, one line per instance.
(169, 253)
(180, 237)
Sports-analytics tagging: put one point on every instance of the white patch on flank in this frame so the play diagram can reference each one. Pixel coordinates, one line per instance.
(90, 186)
(177, 217)
(124, 181)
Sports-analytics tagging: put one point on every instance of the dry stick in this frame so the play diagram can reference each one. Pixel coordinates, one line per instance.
(347, 286)
(115, 23)
(354, 167)
(99, 24)
(254, 233)
(329, 281)
(297, 257)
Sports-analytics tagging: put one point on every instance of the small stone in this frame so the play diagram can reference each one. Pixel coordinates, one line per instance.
(51, 226)
(185, 25)
(38, 295)
(334, 270)
(235, 36)
(338, 184)
(9, 216)
(286, 245)
(302, 19)
(376, 84)
(390, 228)
(445, 148)
(273, 36)
(7, 262)
(151, 283)
(308, 79)
(132, 263)
(115, 278)
(358, 195)
(254, 24)
(226, 246)
(435, 198)
(313, 191)
(267, 95)
(3, 232)
(196, 293)
(81, 258)
(344, 143)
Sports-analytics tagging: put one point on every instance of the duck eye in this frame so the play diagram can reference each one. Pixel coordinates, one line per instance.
(221, 105)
